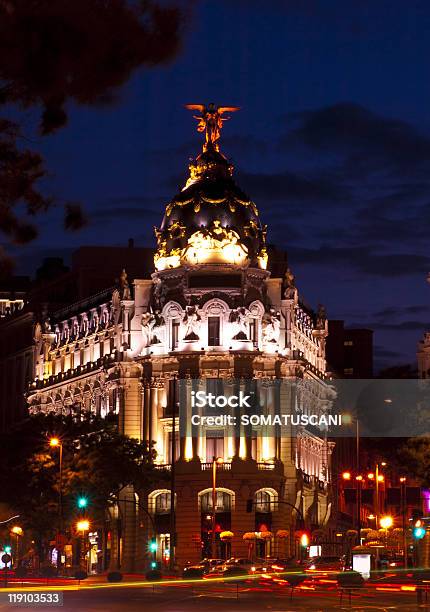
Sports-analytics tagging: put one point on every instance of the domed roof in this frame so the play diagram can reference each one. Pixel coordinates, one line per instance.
(211, 220)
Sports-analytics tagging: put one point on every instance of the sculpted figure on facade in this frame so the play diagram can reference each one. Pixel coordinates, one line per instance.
(124, 286)
(159, 292)
(238, 318)
(156, 327)
(271, 324)
(321, 317)
(289, 287)
(192, 320)
(147, 323)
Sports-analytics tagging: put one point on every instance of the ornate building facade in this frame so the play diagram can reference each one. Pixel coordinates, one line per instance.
(211, 314)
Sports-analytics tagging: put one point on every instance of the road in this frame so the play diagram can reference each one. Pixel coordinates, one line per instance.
(219, 597)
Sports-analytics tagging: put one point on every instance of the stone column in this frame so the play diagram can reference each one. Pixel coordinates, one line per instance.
(153, 416)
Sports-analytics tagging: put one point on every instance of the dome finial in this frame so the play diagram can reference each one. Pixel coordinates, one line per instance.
(211, 121)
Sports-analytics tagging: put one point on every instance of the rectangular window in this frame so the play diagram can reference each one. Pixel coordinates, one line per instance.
(213, 331)
(214, 445)
(175, 334)
(348, 343)
(177, 448)
(254, 446)
(253, 331)
(348, 371)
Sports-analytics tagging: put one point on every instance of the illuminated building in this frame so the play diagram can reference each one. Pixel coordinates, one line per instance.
(211, 312)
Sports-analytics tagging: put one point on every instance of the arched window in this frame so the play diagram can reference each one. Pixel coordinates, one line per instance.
(223, 502)
(262, 501)
(159, 502)
(162, 503)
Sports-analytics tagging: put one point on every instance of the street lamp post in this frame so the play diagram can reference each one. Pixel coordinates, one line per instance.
(17, 531)
(359, 482)
(386, 522)
(54, 443)
(403, 507)
(378, 478)
(215, 462)
(83, 526)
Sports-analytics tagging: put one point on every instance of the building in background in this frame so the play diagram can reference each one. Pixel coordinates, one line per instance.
(24, 302)
(211, 318)
(13, 292)
(349, 351)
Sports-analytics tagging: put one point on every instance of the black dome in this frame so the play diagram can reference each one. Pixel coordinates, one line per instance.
(211, 199)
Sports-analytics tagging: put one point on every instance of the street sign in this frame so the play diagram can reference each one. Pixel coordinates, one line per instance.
(6, 558)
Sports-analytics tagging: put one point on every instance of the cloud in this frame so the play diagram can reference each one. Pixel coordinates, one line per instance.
(362, 260)
(133, 207)
(399, 311)
(368, 140)
(291, 187)
(401, 326)
(381, 352)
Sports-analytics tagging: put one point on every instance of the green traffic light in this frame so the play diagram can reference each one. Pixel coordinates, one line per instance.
(82, 502)
(153, 546)
(419, 533)
(8, 549)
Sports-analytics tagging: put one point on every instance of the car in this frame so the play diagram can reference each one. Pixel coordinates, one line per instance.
(325, 564)
(271, 565)
(243, 561)
(229, 571)
(200, 569)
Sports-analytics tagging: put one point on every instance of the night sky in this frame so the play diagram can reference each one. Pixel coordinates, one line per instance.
(332, 143)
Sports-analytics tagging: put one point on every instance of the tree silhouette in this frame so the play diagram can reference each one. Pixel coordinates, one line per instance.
(52, 53)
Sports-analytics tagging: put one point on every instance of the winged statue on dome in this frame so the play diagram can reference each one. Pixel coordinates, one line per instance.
(211, 121)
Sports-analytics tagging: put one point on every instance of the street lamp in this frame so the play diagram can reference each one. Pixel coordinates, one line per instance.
(83, 526)
(386, 522)
(216, 461)
(378, 478)
(18, 532)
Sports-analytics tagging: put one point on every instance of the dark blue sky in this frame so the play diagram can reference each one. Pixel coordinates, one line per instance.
(332, 142)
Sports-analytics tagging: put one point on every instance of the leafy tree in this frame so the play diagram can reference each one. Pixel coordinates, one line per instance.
(414, 456)
(98, 462)
(52, 53)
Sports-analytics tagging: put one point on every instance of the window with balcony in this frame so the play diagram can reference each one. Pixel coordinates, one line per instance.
(214, 331)
(174, 334)
(214, 445)
(253, 332)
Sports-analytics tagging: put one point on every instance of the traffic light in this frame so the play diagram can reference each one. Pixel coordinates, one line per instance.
(153, 545)
(82, 502)
(418, 532)
(8, 549)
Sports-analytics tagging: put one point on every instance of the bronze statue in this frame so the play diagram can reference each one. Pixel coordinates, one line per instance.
(211, 120)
